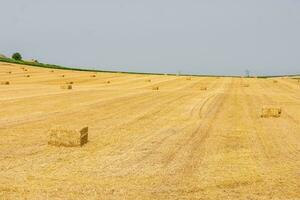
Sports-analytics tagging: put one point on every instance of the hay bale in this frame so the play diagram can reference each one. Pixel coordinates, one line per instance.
(27, 75)
(70, 82)
(51, 70)
(93, 75)
(108, 82)
(275, 81)
(61, 136)
(66, 87)
(63, 75)
(188, 78)
(155, 88)
(25, 69)
(270, 111)
(148, 80)
(203, 88)
(5, 83)
(9, 72)
(245, 85)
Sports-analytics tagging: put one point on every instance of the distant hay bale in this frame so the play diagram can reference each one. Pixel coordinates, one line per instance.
(275, 81)
(270, 111)
(70, 82)
(93, 75)
(188, 78)
(203, 88)
(245, 85)
(148, 80)
(66, 87)
(25, 69)
(155, 88)
(5, 83)
(51, 70)
(63, 75)
(108, 82)
(61, 136)
(9, 72)
(27, 75)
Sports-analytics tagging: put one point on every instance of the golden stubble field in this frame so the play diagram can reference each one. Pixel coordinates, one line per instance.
(178, 142)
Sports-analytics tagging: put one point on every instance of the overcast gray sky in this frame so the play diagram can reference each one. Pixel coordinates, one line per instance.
(191, 36)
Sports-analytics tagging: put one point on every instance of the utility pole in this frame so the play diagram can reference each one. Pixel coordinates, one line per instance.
(247, 72)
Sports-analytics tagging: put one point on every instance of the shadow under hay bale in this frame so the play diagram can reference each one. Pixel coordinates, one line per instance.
(155, 88)
(61, 136)
(270, 111)
(5, 83)
(66, 87)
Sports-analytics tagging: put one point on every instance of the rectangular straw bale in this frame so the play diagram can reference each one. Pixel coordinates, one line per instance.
(66, 87)
(67, 137)
(270, 111)
(5, 83)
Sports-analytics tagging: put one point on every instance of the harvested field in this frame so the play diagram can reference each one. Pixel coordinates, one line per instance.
(175, 143)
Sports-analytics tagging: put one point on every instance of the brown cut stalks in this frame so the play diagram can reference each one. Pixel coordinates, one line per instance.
(270, 111)
(61, 136)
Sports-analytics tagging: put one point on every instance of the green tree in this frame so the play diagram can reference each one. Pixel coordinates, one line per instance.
(17, 56)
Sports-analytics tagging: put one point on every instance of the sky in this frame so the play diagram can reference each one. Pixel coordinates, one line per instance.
(167, 36)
